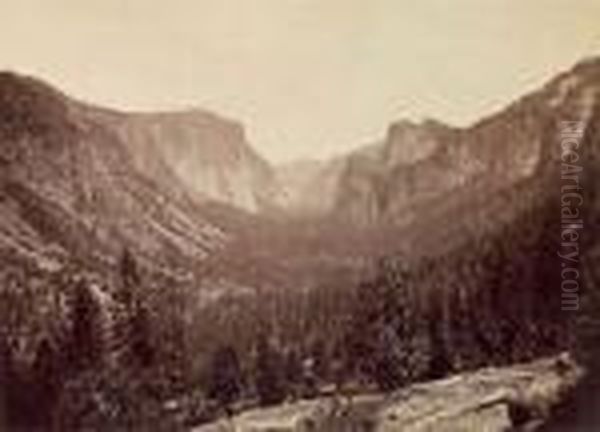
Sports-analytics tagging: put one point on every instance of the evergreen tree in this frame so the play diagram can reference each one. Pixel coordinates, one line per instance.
(293, 370)
(390, 371)
(45, 384)
(320, 356)
(142, 349)
(439, 363)
(85, 345)
(130, 276)
(134, 321)
(8, 383)
(225, 380)
(384, 341)
(270, 386)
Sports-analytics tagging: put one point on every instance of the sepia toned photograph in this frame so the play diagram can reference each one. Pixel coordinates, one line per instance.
(299, 216)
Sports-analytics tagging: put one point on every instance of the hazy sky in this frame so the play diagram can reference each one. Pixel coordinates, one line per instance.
(307, 77)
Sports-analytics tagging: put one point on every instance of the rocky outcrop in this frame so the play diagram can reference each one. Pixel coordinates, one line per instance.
(208, 154)
(491, 400)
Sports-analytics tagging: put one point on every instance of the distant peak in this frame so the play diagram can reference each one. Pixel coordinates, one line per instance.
(408, 127)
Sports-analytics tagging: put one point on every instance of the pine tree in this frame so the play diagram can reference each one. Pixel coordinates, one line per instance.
(142, 349)
(293, 370)
(8, 384)
(439, 362)
(270, 386)
(135, 331)
(130, 278)
(85, 344)
(385, 343)
(45, 384)
(225, 380)
(320, 356)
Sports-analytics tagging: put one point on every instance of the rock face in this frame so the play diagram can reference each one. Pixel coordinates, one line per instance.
(421, 166)
(209, 154)
(309, 188)
(70, 186)
(382, 180)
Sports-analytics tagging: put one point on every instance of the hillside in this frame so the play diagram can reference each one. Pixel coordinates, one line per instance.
(428, 168)
(70, 187)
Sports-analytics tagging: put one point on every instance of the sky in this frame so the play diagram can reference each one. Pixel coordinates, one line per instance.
(308, 78)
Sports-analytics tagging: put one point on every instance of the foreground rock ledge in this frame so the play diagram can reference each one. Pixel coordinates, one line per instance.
(489, 400)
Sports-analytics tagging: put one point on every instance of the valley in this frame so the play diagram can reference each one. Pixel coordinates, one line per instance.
(164, 241)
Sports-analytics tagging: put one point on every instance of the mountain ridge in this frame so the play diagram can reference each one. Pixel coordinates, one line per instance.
(69, 184)
(419, 171)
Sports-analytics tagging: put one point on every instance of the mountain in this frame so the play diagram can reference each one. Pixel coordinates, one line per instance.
(72, 187)
(427, 188)
(74, 174)
(422, 169)
(473, 216)
(209, 154)
(372, 175)
(309, 188)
